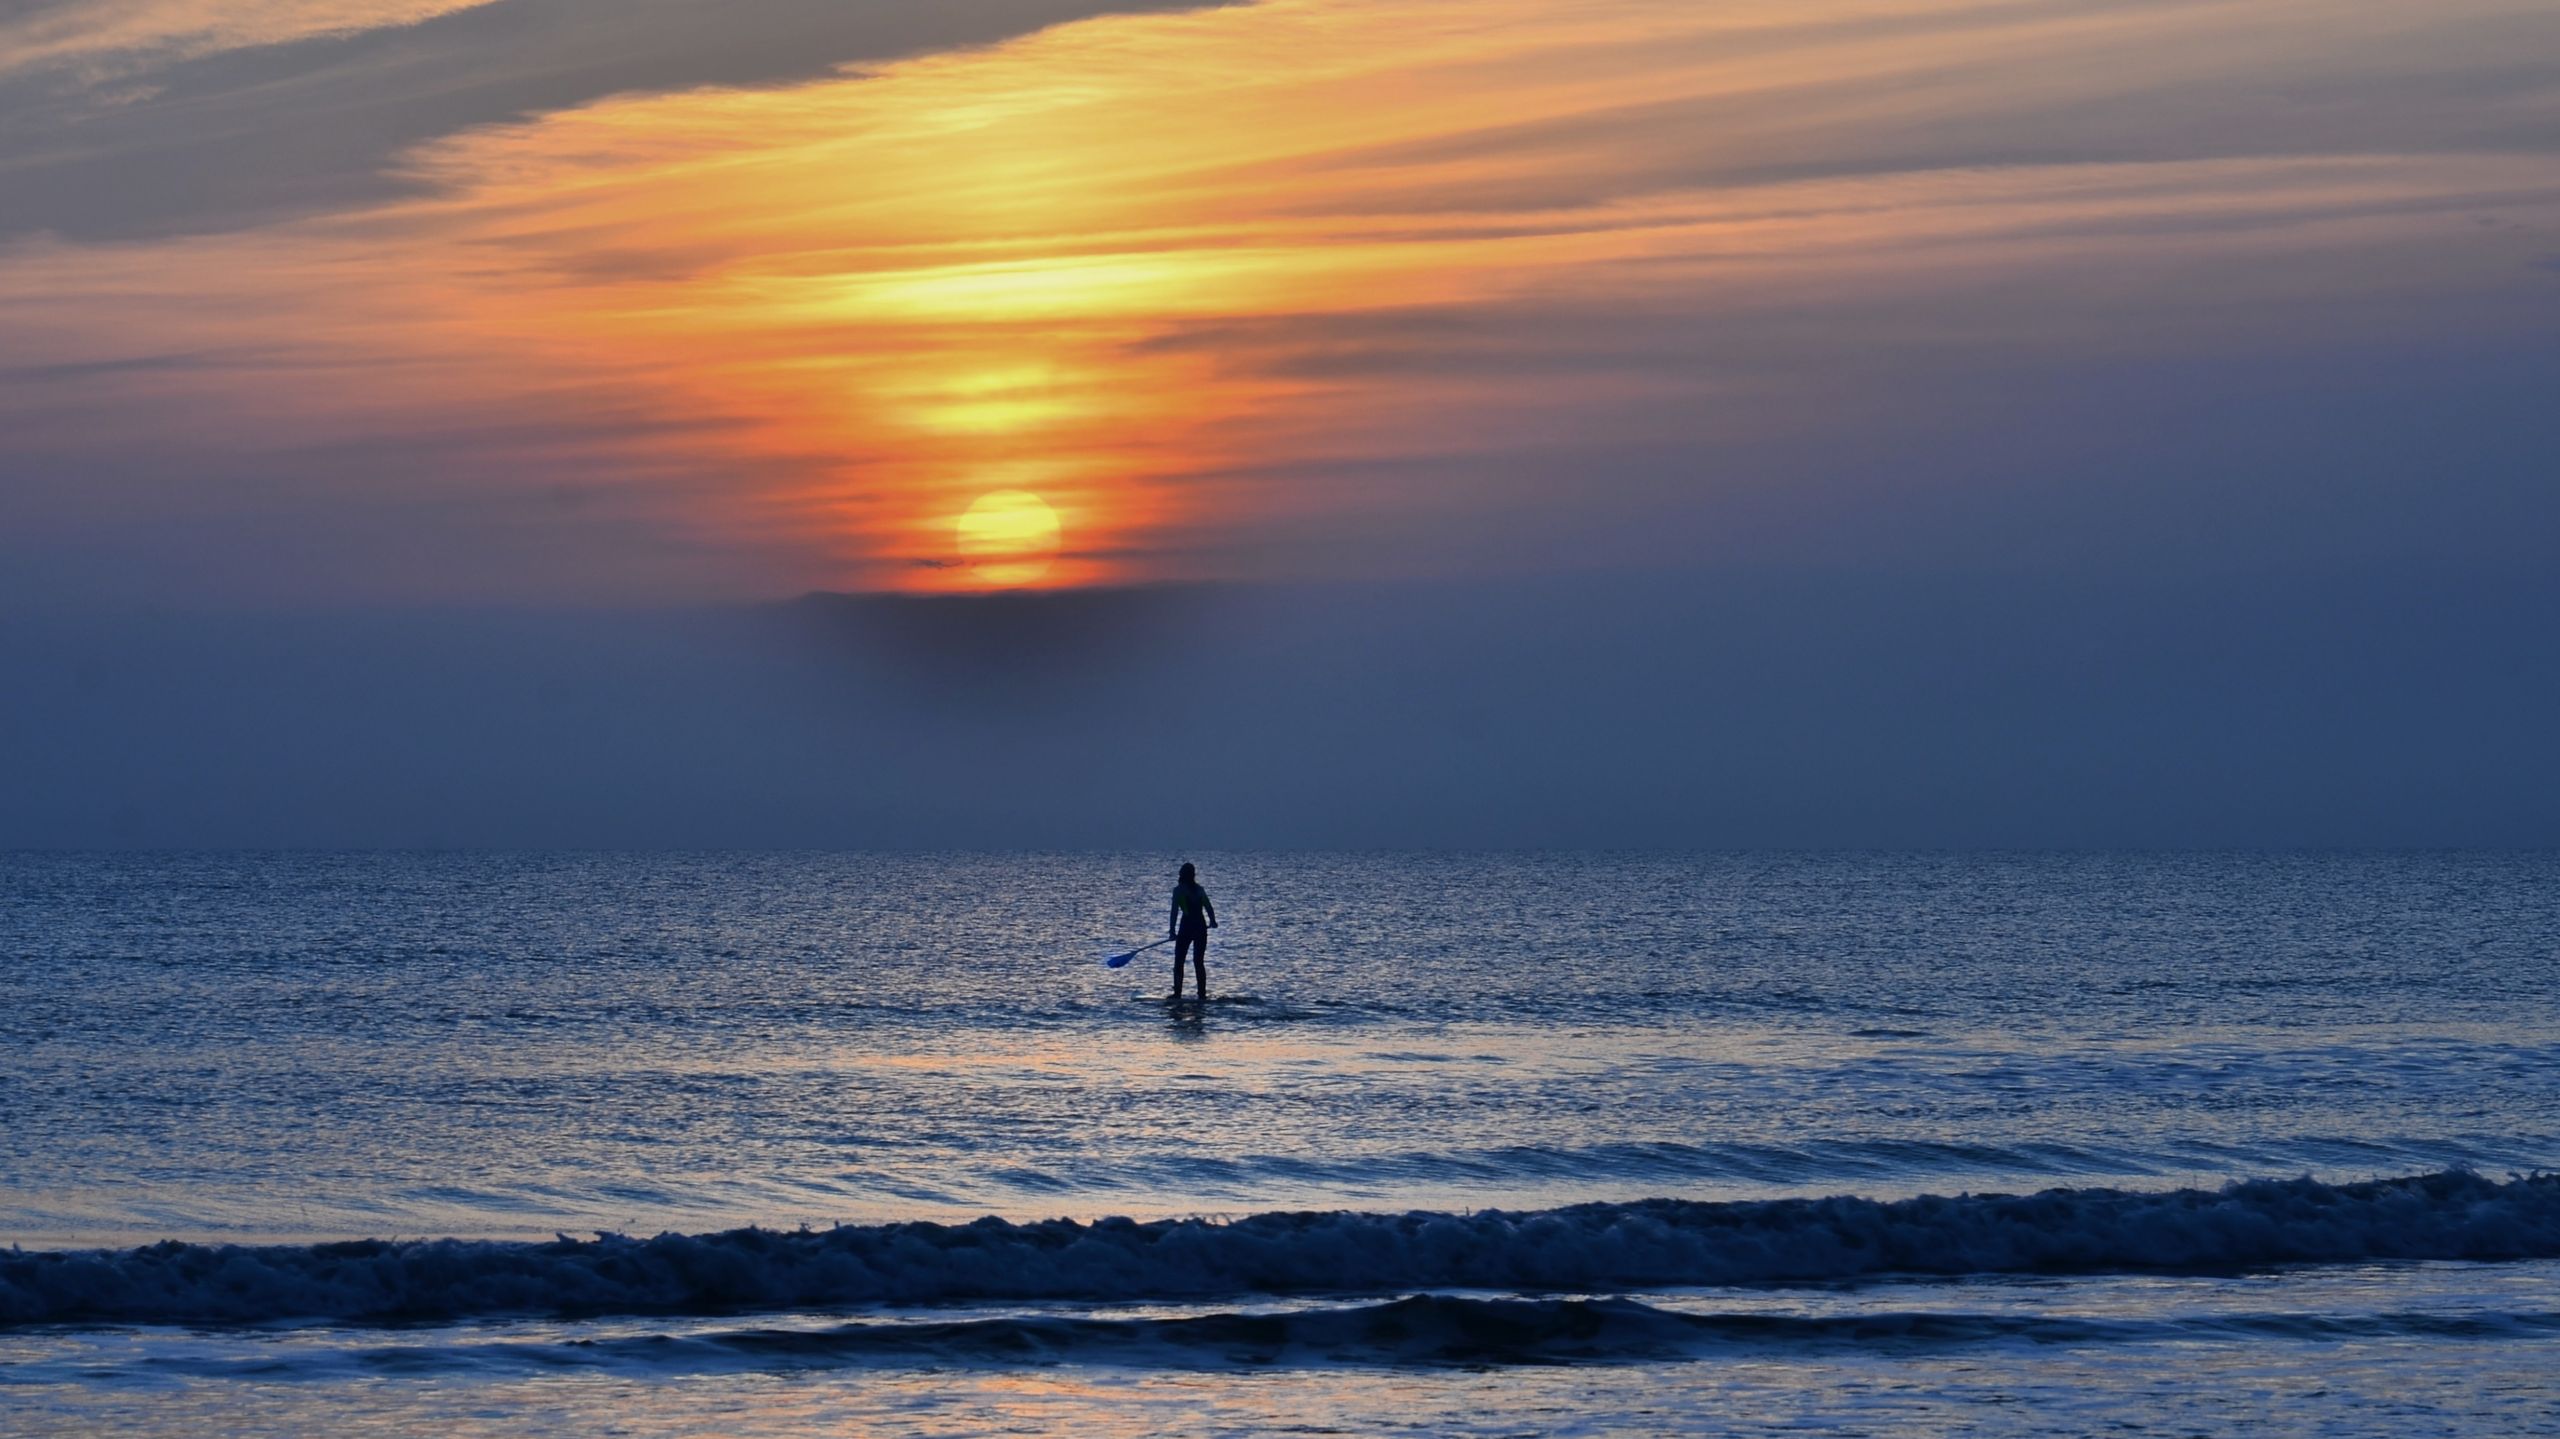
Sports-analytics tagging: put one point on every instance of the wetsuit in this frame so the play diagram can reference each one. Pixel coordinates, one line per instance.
(1191, 919)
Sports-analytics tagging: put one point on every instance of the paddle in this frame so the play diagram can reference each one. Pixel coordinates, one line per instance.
(1117, 960)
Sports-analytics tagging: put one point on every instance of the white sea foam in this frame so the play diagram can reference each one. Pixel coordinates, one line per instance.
(2453, 1215)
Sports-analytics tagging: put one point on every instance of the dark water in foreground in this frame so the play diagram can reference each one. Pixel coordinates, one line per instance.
(283, 1051)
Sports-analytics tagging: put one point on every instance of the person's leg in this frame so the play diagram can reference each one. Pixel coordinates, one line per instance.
(1200, 963)
(1179, 945)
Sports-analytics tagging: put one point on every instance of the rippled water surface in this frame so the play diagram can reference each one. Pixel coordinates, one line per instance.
(280, 1050)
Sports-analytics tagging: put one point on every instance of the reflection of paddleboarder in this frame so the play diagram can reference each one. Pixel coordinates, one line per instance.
(1190, 921)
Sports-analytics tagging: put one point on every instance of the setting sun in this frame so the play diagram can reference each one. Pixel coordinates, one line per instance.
(1009, 538)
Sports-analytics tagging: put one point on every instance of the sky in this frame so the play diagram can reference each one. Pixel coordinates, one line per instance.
(2068, 422)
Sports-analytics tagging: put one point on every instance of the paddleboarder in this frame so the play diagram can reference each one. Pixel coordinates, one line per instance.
(1189, 923)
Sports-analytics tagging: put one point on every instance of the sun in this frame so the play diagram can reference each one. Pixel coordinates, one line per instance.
(1009, 538)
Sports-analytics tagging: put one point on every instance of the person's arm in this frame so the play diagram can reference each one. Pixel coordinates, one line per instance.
(1211, 906)
(1173, 917)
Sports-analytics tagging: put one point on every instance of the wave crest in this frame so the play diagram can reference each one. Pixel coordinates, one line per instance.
(1661, 1242)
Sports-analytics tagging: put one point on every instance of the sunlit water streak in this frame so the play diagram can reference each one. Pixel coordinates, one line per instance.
(283, 1049)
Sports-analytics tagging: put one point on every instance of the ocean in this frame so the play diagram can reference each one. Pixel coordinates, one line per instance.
(1584, 1144)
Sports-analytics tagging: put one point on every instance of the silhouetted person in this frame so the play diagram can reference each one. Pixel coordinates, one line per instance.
(1189, 923)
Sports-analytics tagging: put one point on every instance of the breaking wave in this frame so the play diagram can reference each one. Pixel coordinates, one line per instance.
(1420, 1330)
(2454, 1215)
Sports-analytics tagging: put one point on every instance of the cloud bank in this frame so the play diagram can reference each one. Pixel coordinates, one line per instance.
(1771, 708)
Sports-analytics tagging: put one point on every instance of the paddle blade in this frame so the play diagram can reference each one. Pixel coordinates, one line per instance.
(1117, 960)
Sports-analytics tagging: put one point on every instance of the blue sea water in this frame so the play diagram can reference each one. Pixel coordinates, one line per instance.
(1562, 1143)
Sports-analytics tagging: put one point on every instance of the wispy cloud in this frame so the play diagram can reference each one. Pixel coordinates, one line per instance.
(102, 39)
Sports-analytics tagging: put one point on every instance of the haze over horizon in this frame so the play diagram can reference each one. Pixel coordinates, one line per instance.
(1766, 710)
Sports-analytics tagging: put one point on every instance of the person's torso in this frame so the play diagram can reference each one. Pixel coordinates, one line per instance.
(1192, 902)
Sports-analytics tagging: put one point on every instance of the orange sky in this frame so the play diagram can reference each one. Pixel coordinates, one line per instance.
(1159, 270)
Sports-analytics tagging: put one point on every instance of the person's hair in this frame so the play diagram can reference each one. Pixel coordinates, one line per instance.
(1188, 872)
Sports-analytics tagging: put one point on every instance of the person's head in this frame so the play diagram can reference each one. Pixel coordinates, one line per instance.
(1188, 873)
